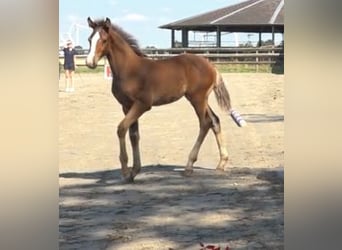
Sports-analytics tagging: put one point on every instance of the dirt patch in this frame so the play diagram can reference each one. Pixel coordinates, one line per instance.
(242, 208)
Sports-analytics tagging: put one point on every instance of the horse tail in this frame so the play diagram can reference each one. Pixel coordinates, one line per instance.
(221, 93)
(223, 100)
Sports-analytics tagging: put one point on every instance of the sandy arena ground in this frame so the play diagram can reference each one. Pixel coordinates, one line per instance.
(242, 209)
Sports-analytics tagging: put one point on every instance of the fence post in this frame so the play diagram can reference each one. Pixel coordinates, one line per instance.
(257, 60)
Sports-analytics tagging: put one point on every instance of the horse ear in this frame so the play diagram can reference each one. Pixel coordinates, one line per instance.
(90, 23)
(107, 24)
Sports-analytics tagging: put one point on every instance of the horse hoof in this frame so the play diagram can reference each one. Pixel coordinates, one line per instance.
(135, 172)
(128, 179)
(188, 172)
(220, 170)
(127, 176)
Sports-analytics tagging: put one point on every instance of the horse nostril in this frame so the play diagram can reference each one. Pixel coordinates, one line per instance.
(90, 63)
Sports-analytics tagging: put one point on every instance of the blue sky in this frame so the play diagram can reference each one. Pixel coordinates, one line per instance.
(139, 18)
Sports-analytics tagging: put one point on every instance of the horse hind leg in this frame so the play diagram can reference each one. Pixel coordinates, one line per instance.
(205, 124)
(216, 128)
(134, 138)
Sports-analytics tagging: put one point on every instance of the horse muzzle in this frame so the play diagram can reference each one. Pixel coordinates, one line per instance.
(91, 63)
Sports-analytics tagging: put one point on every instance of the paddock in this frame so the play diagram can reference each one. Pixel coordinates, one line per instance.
(163, 210)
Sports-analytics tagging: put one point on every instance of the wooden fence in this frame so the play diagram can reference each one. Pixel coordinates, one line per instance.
(266, 55)
(230, 56)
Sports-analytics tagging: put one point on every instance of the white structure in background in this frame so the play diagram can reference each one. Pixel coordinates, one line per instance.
(73, 34)
(208, 39)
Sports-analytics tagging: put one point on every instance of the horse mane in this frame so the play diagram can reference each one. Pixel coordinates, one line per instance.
(133, 43)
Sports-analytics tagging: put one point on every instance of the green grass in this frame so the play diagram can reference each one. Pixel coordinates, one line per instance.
(244, 68)
(85, 69)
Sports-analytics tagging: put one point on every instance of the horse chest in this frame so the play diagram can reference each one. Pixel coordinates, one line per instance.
(124, 91)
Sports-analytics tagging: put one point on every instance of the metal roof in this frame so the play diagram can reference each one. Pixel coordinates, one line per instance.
(248, 16)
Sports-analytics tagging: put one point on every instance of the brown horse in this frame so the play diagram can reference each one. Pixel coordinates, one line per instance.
(140, 83)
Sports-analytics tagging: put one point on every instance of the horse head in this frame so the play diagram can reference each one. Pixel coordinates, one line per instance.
(98, 41)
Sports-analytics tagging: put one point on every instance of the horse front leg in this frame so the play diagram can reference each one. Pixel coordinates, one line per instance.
(125, 172)
(131, 117)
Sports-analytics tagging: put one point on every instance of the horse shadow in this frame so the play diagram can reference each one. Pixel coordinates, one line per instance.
(99, 211)
(111, 177)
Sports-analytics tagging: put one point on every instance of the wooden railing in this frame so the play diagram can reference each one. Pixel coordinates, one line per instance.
(257, 56)
(266, 55)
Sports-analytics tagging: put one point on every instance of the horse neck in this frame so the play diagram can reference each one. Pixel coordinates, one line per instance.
(121, 57)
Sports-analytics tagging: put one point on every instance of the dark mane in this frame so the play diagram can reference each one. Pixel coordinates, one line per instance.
(126, 36)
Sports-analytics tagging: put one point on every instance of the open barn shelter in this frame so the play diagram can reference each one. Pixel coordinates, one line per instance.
(251, 16)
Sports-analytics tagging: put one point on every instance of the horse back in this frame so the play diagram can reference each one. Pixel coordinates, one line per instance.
(185, 69)
(160, 82)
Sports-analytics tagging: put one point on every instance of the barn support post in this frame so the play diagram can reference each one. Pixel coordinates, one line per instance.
(218, 37)
(185, 38)
(172, 38)
(260, 41)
